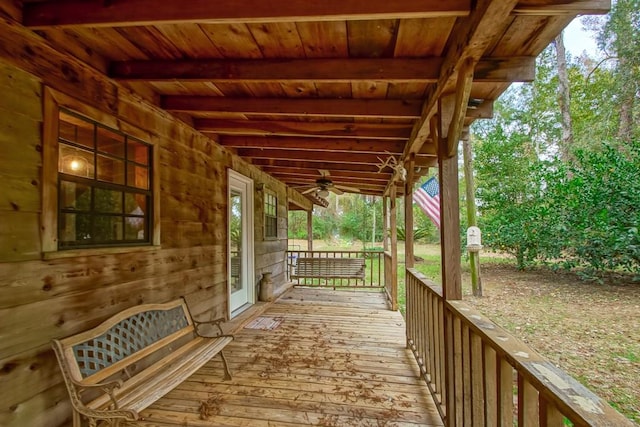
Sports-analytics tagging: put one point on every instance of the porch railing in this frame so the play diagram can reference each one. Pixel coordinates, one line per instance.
(373, 270)
(481, 375)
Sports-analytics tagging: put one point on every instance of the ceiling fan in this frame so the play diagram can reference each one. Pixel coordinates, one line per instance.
(324, 185)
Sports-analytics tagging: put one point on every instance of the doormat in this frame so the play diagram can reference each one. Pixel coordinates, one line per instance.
(265, 323)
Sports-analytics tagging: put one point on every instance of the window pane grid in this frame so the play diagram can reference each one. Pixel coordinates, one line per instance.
(270, 215)
(104, 190)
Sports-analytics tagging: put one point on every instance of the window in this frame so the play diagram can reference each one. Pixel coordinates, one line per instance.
(270, 215)
(104, 185)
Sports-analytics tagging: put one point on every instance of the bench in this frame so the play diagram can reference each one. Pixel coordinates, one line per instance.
(132, 359)
(329, 268)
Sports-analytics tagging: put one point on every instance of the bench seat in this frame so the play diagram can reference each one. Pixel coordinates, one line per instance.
(143, 389)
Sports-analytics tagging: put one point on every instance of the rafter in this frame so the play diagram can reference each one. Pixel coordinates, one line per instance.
(383, 108)
(324, 144)
(146, 12)
(393, 70)
(68, 13)
(309, 164)
(284, 173)
(309, 129)
(305, 180)
(317, 156)
(560, 7)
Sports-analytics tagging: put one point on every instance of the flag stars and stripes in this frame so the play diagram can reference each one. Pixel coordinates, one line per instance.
(428, 198)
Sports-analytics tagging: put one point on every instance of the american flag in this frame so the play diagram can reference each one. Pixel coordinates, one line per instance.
(428, 198)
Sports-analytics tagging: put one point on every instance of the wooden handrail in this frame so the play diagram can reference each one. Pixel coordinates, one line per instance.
(487, 365)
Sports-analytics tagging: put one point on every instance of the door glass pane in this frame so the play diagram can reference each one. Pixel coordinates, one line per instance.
(235, 249)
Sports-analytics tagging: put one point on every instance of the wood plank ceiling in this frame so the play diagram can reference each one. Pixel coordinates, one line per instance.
(297, 87)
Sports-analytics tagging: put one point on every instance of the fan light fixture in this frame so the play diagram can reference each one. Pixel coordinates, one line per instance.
(324, 193)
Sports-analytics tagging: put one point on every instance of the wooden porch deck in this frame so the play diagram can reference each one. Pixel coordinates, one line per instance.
(337, 358)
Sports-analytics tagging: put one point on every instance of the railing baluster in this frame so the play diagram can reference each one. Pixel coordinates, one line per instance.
(441, 363)
(550, 416)
(490, 379)
(527, 403)
(457, 366)
(466, 375)
(505, 392)
(477, 381)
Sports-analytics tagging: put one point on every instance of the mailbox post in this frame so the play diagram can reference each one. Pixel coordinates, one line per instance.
(474, 245)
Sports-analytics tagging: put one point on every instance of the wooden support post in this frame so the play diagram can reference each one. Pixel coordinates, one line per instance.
(409, 258)
(450, 129)
(450, 228)
(385, 224)
(394, 249)
(310, 229)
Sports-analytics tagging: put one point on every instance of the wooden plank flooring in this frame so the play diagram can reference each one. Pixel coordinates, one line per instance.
(338, 358)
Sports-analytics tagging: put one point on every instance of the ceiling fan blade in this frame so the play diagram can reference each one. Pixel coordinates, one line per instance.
(324, 172)
(336, 190)
(347, 188)
(310, 190)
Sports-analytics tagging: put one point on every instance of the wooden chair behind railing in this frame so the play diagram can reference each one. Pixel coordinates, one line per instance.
(480, 375)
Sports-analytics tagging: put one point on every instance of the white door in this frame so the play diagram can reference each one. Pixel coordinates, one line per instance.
(240, 257)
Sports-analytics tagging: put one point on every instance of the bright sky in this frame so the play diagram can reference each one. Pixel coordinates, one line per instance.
(576, 40)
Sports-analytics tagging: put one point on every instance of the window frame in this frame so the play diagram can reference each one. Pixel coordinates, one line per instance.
(54, 103)
(268, 217)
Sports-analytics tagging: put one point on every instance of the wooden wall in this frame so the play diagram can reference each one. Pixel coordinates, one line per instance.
(41, 299)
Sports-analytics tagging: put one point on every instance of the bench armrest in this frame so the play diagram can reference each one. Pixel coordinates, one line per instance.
(216, 322)
(108, 388)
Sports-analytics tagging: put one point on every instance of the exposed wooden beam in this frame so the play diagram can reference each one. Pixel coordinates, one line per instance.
(301, 182)
(562, 7)
(314, 144)
(309, 129)
(470, 38)
(482, 111)
(393, 70)
(69, 13)
(316, 156)
(463, 89)
(348, 181)
(314, 173)
(147, 12)
(343, 165)
(383, 108)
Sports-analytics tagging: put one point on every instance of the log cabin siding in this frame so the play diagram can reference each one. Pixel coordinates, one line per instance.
(41, 299)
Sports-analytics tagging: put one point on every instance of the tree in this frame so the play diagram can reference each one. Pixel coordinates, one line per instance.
(621, 40)
(564, 99)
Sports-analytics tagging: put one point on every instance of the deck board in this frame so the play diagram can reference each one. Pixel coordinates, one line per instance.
(337, 359)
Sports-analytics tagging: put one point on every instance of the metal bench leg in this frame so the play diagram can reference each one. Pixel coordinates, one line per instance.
(227, 373)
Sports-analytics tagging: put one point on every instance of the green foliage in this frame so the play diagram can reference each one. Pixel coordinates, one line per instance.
(585, 214)
(297, 226)
(599, 204)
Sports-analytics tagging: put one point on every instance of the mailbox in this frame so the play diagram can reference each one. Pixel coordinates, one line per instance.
(474, 239)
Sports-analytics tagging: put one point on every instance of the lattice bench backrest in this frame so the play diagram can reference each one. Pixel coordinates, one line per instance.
(125, 338)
